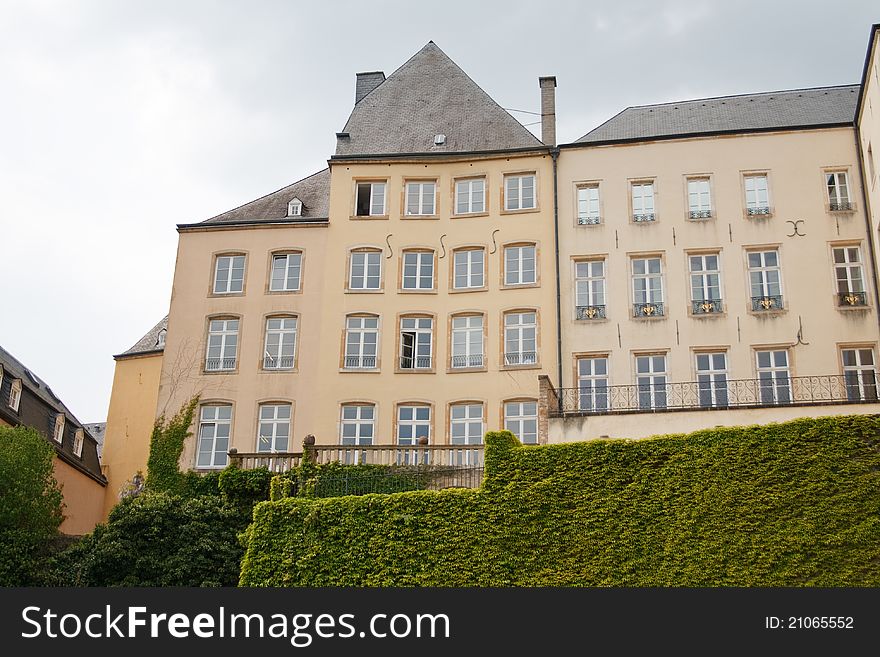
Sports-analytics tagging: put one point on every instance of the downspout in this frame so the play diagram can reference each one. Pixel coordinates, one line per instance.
(872, 250)
(554, 153)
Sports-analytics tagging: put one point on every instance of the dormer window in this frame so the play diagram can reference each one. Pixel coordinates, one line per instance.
(15, 394)
(78, 439)
(160, 339)
(294, 208)
(58, 431)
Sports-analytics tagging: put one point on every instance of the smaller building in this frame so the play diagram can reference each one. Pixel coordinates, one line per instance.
(27, 400)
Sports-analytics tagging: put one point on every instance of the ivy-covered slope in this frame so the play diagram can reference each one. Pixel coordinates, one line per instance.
(794, 504)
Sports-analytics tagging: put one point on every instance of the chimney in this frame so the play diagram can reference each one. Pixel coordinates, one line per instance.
(548, 109)
(366, 82)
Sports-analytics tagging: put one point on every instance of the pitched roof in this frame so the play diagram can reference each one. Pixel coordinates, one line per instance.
(797, 108)
(149, 343)
(313, 191)
(427, 96)
(16, 369)
(98, 430)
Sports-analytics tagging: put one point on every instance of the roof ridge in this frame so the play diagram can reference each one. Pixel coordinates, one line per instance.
(754, 93)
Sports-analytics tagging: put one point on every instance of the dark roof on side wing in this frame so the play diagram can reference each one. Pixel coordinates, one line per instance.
(148, 344)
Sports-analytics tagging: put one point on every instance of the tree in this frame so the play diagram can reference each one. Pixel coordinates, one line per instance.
(30, 504)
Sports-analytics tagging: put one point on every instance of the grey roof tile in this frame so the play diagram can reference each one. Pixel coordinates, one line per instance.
(427, 96)
(762, 111)
(149, 343)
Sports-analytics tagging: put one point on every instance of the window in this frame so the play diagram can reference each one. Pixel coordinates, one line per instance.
(280, 351)
(370, 201)
(286, 268)
(588, 205)
(214, 428)
(470, 196)
(519, 192)
(356, 425)
(705, 283)
(521, 419)
(78, 440)
(15, 394)
(361, 342)
(589, 283)
(467, 341)
(420, 198)
(413, 422)
(643, 202)
(647, 281)
(58, 429)
(416, 343)
(520, 338)
(592, 376)
(466, 424)
(222, 345)
(418, 270)
(859, 374)
(765, 280)
(294, 208)
(850, 276)
(712, 378)
(1, 376)
(774, 379)
(229, 274)
(838, 191)
(519, 265)
(699, 198)
(757, 196)
(366, 270)
(274, 432)
(469, 269)
(651, 381)
(160, 339)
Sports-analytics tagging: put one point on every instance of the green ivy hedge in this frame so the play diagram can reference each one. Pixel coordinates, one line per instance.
(793, 504)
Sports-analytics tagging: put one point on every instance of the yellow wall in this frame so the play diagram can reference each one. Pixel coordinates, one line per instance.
(83, 499)
(869, 137)
(130, 420)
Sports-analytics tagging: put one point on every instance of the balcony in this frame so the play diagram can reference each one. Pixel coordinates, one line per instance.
(700, 214)
(360, 362)
(219, 364)
(767, 303)
(589, 220)
(644, 217)
(693, 395)
(278, 363)
(521, 358)
(841, 206)
(761, 211)
(590, 312)
(852, 299)
(473, 360)
(707, 307)
(415, 362)
(649, 309)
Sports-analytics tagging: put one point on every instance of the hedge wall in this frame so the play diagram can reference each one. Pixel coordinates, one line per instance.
(794, 504)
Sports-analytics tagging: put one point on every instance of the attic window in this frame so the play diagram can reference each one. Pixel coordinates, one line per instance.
(78, 439)
(58, 431)
(294, 208)
(160, 339)
(15, 394)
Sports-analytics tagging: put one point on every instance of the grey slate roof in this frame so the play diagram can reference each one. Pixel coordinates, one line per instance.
(762, 111)
(15, 369)
(430, 95)
(149, 343)
(97, 429)
(313, 191)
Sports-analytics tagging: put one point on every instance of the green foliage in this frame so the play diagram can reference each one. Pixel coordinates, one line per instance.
(30, 504)
(336, 479)
(166, 446)
(245, 487)
(793, 504)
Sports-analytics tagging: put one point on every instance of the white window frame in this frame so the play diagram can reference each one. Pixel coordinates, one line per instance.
(834, 182)
(651, 294)
(466, 188)
(356, 351)
(294, 208)
(423, 195)
(371, 262)
(520, 333)
(289, 265)
(58, 429)
(589, 286)
(860, 378)
(593, 385)
(711, 379)
(702, 288)
(226, 343)
(521, 419)
(699, 191)
(653, 383)
(78, 442)
(468, 349)
(424, 260)
(589, 208)
(464, 258)
(15, 394)
(779, 377)
(759, 203)
(364, 417)
(229, 284)
(375, 202)
(417, 327)
(210, 416)
(519, 275)
(471, 414)
(643, 201)
(848, 267)
(418, 426)
(282, 354)
(271, 426)
(514, 186)
(769, 276)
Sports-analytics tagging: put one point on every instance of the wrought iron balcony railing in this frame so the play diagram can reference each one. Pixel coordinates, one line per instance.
(700, 214)
(473, 360)
(707, 307)
(758, 211)
(712, 395)
(848, 299)
(590, 312)
(766, 303)
(219, 364)
(589, 220)
(843, 206)
(415, 362)
(644, 217)
(649, 309)
(278, 363)
(360, 362)
(521, 358)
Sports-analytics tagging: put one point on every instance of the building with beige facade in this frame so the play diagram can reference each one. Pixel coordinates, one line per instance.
(692, 264)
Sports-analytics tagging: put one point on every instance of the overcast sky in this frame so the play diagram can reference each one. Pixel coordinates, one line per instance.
(120, 119)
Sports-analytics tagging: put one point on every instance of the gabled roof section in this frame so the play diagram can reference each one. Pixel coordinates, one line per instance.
(149, 343)
(430, 95)
(313, 191)
(798, 108)
(15, 369)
